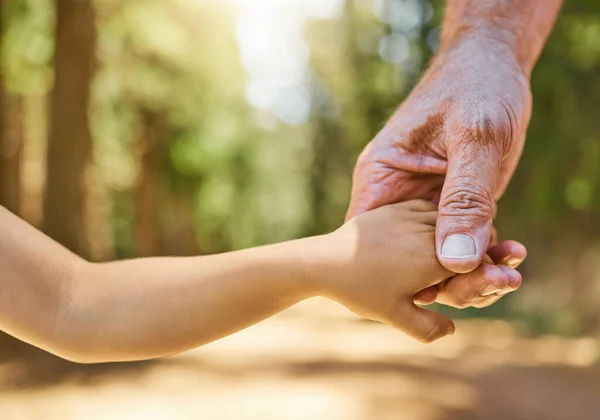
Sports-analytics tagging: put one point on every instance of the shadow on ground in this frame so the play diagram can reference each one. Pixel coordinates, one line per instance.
(304, 366)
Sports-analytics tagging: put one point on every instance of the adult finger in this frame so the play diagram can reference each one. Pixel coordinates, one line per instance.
(467, 205)
(473, 288)
(509, 253)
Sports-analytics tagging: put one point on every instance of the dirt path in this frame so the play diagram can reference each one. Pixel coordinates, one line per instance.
(316, 362)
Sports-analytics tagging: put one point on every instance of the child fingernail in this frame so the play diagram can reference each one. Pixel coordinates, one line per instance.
(458, 246)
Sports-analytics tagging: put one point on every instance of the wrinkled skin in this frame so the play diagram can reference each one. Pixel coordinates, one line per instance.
(456, 141)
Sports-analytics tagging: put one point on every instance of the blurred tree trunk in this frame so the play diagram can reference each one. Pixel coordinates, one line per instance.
(149, 149)
(335, 140)
(70, 141)
(11, 139)
(164, 217)
(9, 347)
(326, 153)
(179, 232)
(12, 152)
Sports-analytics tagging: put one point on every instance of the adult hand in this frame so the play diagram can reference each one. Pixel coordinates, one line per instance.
(484, 286)
(455, 141)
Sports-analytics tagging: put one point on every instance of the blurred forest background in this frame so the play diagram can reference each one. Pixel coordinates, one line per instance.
(183, 127)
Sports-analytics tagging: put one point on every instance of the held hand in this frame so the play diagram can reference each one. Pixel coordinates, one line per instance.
(376, 263)
(456, 142)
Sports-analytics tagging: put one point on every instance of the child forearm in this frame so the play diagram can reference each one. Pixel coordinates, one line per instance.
(36, 275)
(138, 309)
(148, 308)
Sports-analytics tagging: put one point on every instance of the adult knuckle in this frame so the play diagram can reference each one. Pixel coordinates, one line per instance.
(475, 132)
(467, 199)
(506, 122)
(488, 121)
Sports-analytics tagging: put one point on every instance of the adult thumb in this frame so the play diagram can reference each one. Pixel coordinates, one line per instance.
(467, 205)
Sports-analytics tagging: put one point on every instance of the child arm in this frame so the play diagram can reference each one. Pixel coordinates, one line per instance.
(138, 309)
(148, 308)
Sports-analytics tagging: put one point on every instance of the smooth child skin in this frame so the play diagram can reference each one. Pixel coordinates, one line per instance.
(149, 308)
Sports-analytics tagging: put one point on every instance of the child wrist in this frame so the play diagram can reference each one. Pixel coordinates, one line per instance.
(314, 266)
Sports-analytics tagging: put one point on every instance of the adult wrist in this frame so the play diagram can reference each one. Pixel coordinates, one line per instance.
(487, 38)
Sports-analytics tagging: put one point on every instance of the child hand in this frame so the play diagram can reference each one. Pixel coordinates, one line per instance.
(377, 262)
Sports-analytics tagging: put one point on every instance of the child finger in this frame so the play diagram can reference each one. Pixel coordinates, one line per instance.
(426, 296)
(423, 325)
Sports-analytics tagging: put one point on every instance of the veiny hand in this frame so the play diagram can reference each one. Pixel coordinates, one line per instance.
(456, 142)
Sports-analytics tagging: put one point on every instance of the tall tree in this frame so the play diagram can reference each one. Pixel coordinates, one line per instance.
(11, 151)
(10, 138)
(163, 200)
(150, 151)
(70, 140)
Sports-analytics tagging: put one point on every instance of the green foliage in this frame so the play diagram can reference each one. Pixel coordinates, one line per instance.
(28, 46)
(558, 180)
